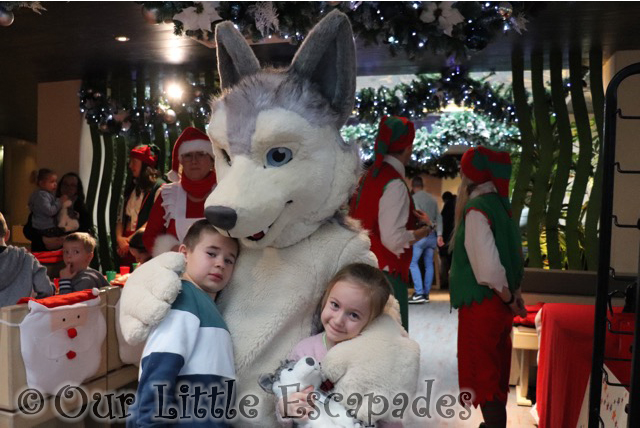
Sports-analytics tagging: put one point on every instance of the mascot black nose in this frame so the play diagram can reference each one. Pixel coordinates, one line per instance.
(222, 217)
(310, 361)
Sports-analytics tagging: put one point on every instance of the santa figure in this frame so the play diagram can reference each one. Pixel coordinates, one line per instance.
(181, 203)
(61, 340)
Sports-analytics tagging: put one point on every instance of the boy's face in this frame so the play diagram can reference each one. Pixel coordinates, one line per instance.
(50, 183)
(211, 263)
(75, 255)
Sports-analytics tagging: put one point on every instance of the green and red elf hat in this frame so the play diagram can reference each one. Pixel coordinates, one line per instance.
(394, 135)
(481, 164)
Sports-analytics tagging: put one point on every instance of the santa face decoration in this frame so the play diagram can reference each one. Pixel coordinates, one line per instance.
(61, 345)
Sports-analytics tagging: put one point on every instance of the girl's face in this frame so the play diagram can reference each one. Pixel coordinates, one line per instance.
(69, 186)
(346, 312)
(135, 165)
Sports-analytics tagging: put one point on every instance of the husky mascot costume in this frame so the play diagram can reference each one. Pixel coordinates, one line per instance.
(283, 173)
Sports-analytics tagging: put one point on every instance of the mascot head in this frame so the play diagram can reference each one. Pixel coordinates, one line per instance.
(283, 169)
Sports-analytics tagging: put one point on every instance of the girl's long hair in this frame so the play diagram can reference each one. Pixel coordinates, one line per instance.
(464, 190)
(79, 195)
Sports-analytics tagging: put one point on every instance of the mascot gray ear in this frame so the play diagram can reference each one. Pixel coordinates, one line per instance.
(266, 382)
(328, 58)
(235, 57)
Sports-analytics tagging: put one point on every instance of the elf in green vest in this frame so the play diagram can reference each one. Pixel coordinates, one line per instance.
(486, 271)
(384, 207)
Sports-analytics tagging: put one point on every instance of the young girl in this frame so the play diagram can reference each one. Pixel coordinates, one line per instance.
(44, 208)
(486, 271)
(355, 296)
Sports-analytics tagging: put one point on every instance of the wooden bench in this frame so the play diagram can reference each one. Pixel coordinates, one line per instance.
(112, 374)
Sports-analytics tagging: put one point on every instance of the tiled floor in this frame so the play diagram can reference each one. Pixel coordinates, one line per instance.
(434, 327)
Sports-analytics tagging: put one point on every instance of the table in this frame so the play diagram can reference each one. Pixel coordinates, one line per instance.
(564, 367)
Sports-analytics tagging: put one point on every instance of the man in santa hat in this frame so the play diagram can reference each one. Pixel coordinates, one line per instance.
(181, 203)
(383, 204)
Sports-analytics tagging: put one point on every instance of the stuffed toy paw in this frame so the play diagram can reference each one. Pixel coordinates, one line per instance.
(148, 294)
(392, 370)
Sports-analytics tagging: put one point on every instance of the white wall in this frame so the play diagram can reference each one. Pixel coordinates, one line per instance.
(60, 126)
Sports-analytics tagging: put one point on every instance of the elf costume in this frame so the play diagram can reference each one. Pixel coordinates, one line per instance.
(180, 203)
(487, 256)
(384, 178)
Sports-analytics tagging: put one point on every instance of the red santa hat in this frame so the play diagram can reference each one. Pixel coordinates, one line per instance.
(89, 296)
(191, 140)
(145, 155)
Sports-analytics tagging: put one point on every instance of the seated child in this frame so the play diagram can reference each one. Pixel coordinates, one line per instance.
(355, 296)
(137, 248)
(45, 206)
(20, 273)
(77, 253)
(192, 344)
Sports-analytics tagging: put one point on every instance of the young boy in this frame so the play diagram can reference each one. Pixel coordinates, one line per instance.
(20, 273)
(191, 347)
(77, 253)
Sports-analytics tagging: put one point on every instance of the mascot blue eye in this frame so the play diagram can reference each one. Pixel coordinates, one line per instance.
(279, 156)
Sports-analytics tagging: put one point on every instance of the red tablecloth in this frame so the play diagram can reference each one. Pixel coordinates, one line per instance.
(564, 365)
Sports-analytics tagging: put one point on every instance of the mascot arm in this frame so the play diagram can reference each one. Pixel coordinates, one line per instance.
(357, 250)
(393, 370)
(148, 295)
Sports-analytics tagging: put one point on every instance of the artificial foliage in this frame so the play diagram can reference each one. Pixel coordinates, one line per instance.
(430, 146)
(148, 108)
(430, 93)
(448, 28)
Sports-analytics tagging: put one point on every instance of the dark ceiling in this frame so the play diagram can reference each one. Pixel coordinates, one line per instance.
(70, 39)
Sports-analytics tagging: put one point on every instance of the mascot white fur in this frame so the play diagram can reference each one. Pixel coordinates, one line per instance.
(283, 174)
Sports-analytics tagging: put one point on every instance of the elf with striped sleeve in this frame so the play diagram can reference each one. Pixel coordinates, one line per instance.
(188, 358)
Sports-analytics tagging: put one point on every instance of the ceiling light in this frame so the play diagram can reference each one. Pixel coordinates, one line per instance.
(122, 38)
(174, 91)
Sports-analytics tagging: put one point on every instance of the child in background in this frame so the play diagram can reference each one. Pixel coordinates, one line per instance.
(77, 253)
(192, 344)
(355, 296)
(45, 206)
(137, 248)
(20, 273)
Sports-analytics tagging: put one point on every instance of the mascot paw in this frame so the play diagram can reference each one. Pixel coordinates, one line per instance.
(148, 295)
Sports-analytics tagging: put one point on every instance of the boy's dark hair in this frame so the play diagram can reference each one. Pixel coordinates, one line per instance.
(3, 226)
(87, 240)
(417, 181)
(195, 231)
(43, 173)
(447, 196)
(136, 242)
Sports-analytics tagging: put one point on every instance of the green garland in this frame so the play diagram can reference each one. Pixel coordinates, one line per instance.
(411, 26)
(430, 148)
(428, 94)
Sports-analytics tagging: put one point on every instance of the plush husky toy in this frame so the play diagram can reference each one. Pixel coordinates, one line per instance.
(283, 173)
(67, 217)
(292, 376)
